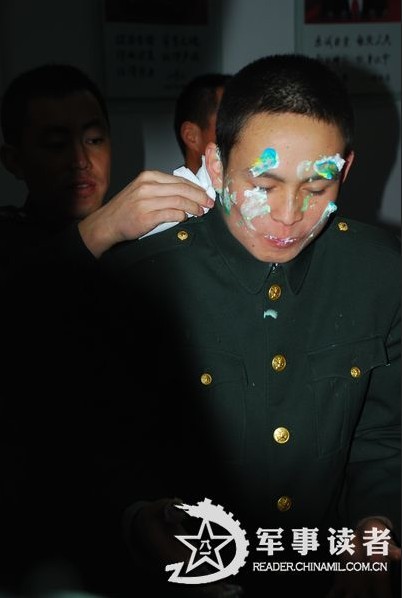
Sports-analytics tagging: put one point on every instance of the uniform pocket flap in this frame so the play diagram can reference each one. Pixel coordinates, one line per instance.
(213, 368)
(348, 359)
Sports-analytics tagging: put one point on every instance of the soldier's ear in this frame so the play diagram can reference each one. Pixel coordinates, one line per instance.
(9, 155)
(191, 136)
(214, 166)
(348, 163)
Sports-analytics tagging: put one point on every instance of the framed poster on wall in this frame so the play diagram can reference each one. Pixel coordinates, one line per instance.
(153, 48)
(360, 38)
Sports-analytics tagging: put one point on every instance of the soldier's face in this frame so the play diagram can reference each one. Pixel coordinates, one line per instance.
(281, 183)
(65, 155)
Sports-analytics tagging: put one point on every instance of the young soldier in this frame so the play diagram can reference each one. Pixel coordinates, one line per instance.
(266, 371)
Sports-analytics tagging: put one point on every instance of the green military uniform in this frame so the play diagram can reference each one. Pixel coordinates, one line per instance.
(278, 385)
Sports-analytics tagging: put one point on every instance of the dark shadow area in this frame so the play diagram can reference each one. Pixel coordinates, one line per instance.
(128, 147)
(377, 135)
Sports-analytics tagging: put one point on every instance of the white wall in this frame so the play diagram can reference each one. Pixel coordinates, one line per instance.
(249, 29)
(33, 32)
(256, 28)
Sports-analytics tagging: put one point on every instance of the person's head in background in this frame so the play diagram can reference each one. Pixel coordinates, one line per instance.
(56, 138)
(195, 116)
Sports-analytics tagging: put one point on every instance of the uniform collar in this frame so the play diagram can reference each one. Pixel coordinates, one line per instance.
(250, 272)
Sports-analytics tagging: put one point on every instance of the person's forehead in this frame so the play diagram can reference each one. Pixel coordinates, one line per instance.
(73, 111)
(287, 128)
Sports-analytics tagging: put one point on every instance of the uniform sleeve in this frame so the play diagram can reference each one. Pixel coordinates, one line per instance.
(374, 470)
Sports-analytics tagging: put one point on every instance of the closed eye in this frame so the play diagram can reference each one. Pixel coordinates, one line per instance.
(261, 188)
(317, 193)
(95, 140)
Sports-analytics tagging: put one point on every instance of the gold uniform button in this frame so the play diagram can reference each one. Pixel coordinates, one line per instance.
(274, 292)
(279, 363)
(182, 235)
(284, 503)
(355, 372)
(281, 435)
(343, 226)
(206, 379)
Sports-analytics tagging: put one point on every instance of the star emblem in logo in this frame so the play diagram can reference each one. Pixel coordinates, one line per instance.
(201, 546)
(206, 546)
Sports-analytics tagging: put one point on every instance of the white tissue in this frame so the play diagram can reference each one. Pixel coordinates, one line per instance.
(202, 179)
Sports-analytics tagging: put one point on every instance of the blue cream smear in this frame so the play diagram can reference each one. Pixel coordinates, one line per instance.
(270, 313)
(330, 209)
(327, 167)
(266, 161)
